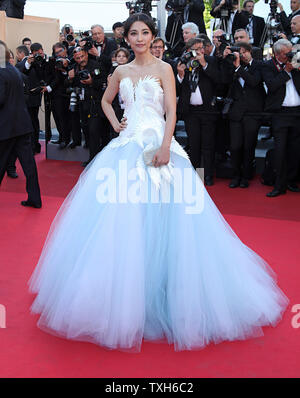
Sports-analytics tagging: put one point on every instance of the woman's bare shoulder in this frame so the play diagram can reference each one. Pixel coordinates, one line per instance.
(124, 70)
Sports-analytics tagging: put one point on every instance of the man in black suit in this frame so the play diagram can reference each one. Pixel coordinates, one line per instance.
(286, 20)
(196, 90)
(38, 70)
(256, 24)
(283, 100)
(90, 99)
(103, 47)
(13, 8)
(15, 130)
(248, 94)
(195, 10)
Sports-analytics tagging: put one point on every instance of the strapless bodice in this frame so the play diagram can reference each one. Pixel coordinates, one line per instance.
(144, 109)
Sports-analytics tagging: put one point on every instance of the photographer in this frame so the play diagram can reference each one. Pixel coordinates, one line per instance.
(295, 28)
(256, 25)
(196, 80)
(60, 100)
(102, 47)
(88, 80)
(286, 20)
(38, 70)
(67, 38)
(283, 100)
(230, 14)
(118, 32)
(247, 93)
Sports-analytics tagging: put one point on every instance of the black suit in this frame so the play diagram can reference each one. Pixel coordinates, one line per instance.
(286, 21)
(240, 21)
(248, 96)
(107, 47)
(285, 123)
(195, 14)
(200, 119)
(36, 73)
(15, 129)
(13, 8)
(258, 28)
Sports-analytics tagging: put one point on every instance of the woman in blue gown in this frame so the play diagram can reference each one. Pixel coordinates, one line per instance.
(149, 256)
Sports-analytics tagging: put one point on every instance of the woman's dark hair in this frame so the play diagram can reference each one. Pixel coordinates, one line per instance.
(141, 18)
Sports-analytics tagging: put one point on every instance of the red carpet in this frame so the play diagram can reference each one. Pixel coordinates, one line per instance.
(271, 227)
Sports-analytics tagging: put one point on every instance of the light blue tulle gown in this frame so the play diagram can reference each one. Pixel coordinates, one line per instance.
(137, 252)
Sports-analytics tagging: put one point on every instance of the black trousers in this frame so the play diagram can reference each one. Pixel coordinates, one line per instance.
(22, 147)
(34, 115)
(61, 113)
(243, 140)
(200, 128)
(11, 163)
(99, 135)
(286, 132)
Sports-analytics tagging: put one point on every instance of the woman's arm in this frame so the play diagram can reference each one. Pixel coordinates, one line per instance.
(107, 99)
(168, 83)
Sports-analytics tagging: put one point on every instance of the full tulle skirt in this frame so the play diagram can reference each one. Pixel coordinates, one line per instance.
(114, 272)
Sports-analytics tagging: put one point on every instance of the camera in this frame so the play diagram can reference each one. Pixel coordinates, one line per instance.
(69, 37)
(75, 93)
(38, 58)
(83, 74)
(144, 6)
(231, 57)
(187, 59)
(294, 57)
(273, 7)
(226, 8)
(59, 63)
(176, 5)
(87, 37)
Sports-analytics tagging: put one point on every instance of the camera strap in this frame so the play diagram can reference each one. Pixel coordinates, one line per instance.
(193, 80)
(278, 66)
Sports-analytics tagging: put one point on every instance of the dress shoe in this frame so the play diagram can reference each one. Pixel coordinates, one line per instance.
(55, 141)
(63, 145)
(73, 145)
(244, 183)
(208, 180)
(234, 183)
(12, 174)
(293, 187)
(28, 203)
(276, 192)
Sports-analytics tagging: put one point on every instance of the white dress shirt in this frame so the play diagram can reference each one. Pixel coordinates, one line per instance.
(292, 97)
(196, 97)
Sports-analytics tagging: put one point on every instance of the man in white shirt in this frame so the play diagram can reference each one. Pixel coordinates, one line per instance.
(196, 88)
(283, 100)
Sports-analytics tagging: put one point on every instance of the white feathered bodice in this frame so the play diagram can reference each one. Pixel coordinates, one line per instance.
(144, 109)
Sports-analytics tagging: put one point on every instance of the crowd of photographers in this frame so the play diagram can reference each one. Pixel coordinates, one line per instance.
(226, 90)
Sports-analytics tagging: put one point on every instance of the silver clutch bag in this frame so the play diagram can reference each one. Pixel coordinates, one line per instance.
(149, 155)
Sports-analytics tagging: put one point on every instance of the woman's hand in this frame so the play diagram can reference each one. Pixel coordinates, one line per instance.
(161, 157)
(118, 127)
